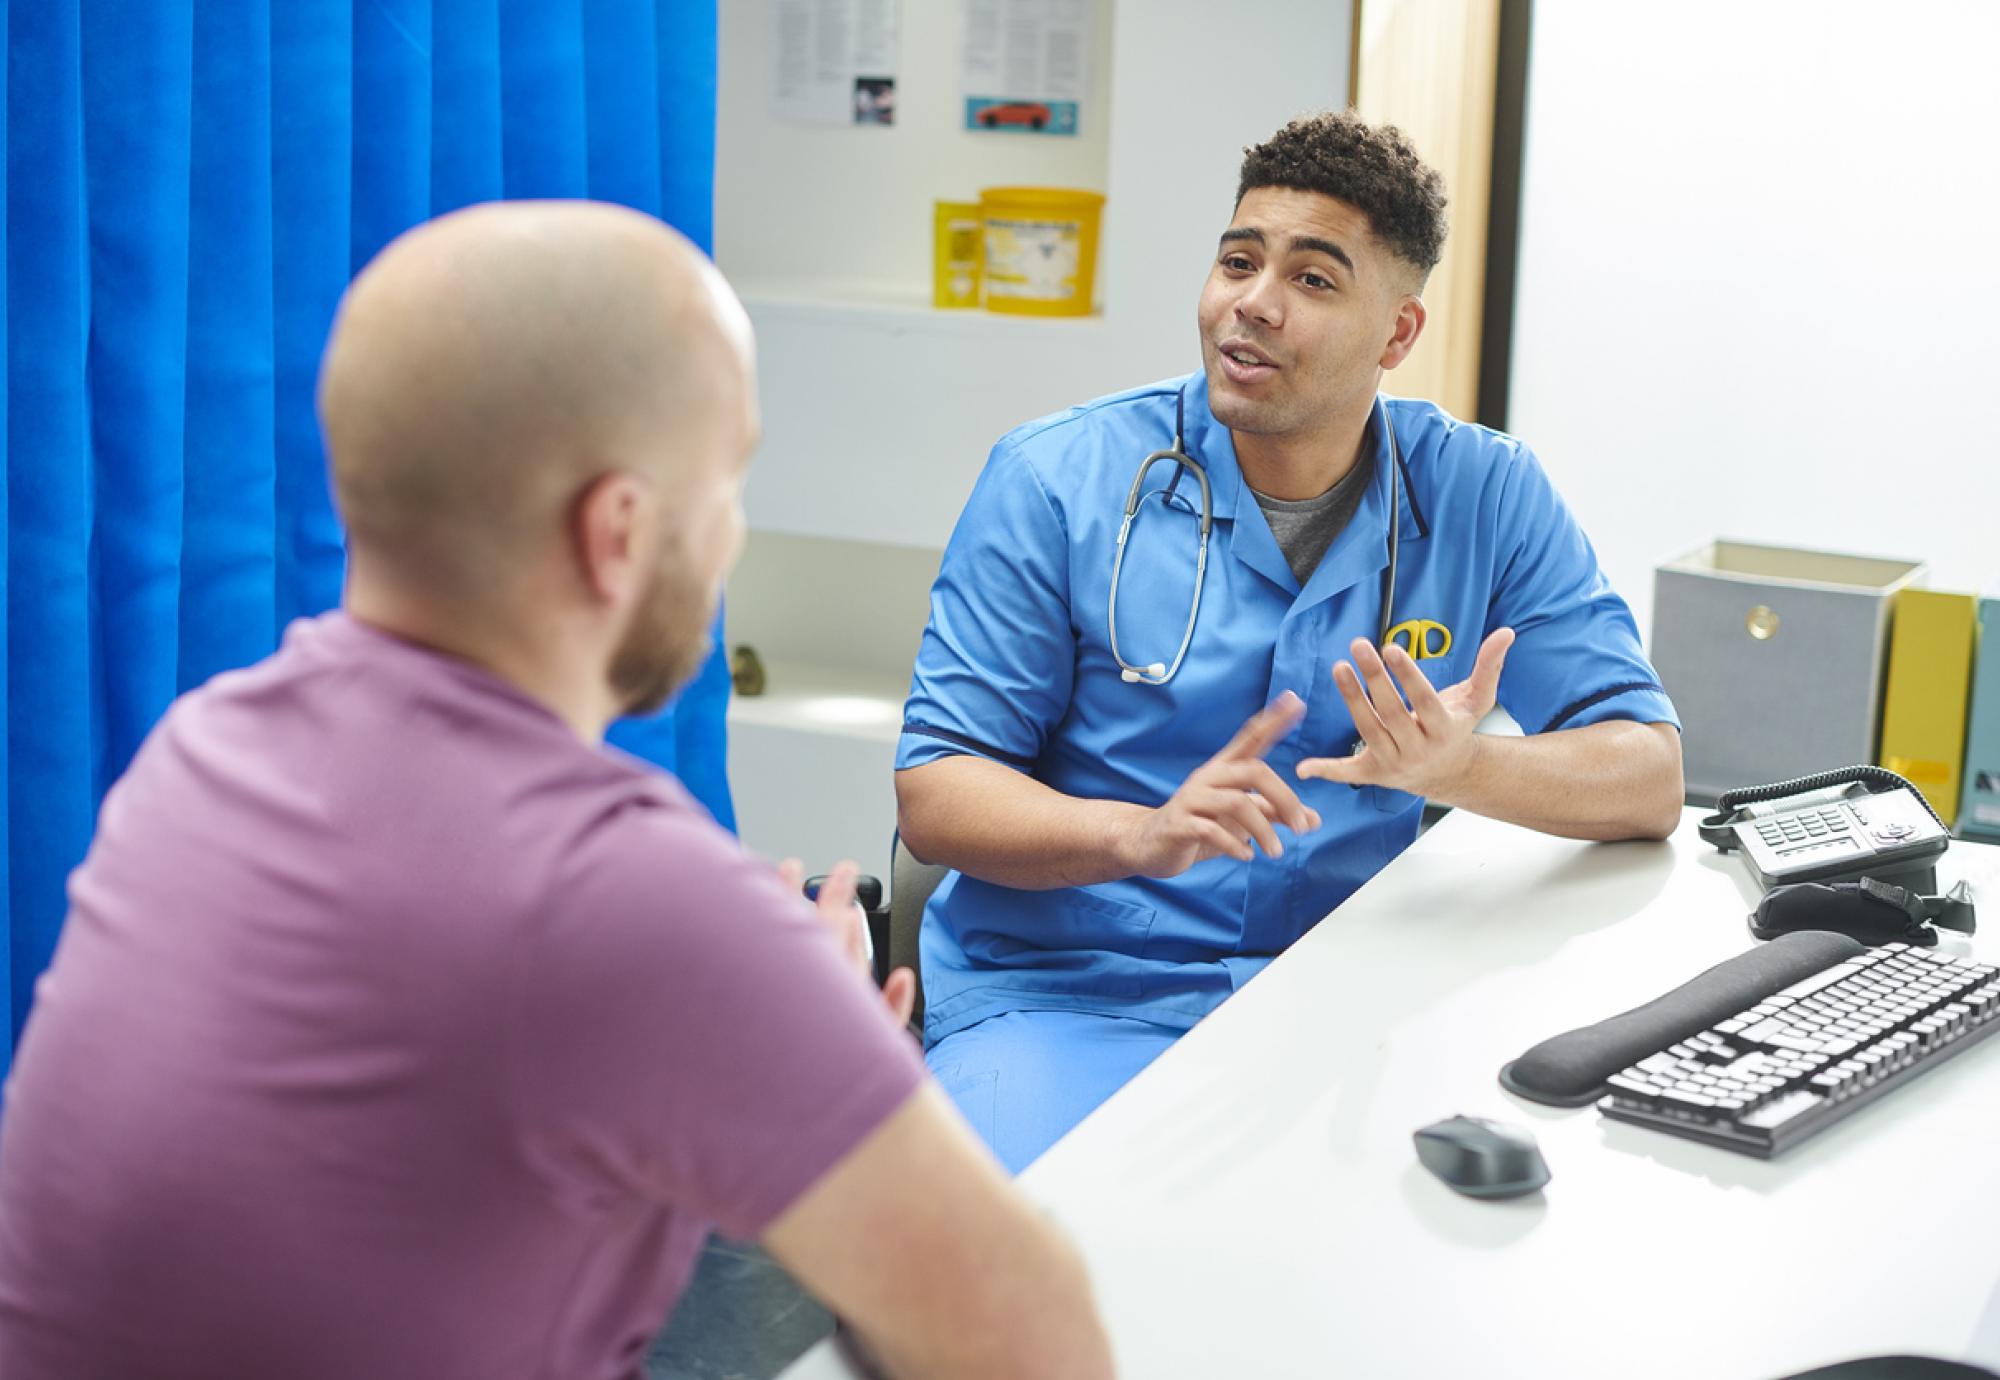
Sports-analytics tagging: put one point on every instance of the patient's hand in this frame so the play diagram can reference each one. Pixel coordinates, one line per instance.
(842, 914)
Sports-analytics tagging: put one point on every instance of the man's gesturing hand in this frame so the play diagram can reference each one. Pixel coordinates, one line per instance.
(841, 913)
(1226, 803)
(1424, 747)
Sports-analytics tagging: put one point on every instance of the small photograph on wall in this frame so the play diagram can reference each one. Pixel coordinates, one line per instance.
(835, 62)
(1034, 117)
(874, 100)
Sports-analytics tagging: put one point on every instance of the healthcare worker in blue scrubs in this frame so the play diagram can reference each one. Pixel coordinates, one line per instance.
(1316, 599)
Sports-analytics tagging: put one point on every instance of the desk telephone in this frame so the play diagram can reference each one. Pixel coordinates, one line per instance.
(1832, 827)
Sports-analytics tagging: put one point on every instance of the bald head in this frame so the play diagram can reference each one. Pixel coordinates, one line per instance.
(487, 366)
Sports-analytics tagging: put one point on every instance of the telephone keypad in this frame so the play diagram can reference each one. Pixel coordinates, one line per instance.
(1840, 839)
(1806, 827)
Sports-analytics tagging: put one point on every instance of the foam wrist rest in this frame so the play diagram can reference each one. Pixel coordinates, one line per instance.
(1568, 1070)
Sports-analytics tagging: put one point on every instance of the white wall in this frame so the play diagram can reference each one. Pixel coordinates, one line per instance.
(1759, 288)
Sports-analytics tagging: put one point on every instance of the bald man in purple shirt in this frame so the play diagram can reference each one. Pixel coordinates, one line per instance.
(400, 1029)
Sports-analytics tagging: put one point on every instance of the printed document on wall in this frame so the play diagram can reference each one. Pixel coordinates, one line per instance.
(834, 61)
(1024, 65)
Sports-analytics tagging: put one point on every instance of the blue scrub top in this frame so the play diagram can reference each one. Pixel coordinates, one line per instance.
(1016, 666)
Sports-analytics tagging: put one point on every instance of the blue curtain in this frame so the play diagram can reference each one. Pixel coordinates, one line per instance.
(189, 186)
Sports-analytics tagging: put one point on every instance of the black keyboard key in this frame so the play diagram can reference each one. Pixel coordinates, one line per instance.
(1624, 1085)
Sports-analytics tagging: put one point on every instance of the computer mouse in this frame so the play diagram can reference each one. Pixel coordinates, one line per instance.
(1481, 1158)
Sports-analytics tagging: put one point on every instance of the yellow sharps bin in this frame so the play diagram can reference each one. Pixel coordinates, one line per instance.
(958, 254)
(1041, 249)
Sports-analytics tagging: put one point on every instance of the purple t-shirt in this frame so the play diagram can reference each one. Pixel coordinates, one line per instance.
(396, 1032)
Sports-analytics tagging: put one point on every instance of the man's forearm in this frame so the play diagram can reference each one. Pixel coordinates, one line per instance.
(1617, 780)
(1066, 1338)
(917, 1238)
(999, 825)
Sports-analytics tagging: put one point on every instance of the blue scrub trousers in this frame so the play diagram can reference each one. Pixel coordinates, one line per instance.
(1023, 1078)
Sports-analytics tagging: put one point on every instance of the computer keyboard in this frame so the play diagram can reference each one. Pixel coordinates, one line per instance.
(1796, 1062)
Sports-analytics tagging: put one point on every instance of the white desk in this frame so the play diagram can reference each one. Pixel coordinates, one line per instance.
(1251, 1205)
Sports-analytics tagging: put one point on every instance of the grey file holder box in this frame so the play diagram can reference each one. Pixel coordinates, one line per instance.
(1774, 658)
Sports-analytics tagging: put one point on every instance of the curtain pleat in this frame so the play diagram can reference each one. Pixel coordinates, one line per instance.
(188, 190)
(10, 939)
(541, 99)
(229, 524)
(465, 104)
(392, 123)
(137, 67)
(312, 158)
(52, 709)
(621, 104)
(686, 50)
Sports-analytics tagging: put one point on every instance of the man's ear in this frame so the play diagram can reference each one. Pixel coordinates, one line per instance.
(611, 533)
(1410, 318)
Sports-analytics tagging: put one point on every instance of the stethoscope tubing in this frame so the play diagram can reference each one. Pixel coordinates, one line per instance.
(1148, 674)
(1158, 674)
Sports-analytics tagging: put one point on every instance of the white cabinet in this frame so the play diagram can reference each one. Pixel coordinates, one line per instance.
(879, 410)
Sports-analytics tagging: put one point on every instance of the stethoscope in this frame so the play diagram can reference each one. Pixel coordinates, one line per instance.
(1159, 673)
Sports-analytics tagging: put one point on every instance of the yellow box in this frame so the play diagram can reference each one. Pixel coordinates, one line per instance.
(1930, 682)
(1041, 249)
(959, 251)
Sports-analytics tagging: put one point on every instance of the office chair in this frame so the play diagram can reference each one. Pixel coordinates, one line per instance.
(910, 886)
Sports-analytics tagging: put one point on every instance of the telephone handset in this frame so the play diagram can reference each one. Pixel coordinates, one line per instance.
(1834, 826)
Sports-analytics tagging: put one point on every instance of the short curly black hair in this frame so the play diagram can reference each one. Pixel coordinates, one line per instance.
(1372, 168)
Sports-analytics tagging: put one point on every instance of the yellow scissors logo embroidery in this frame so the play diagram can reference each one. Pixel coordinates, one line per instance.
(1421, 638)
